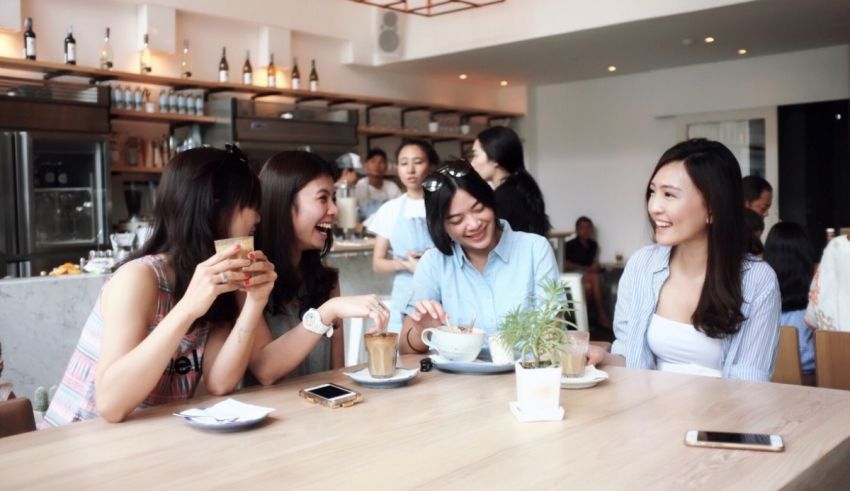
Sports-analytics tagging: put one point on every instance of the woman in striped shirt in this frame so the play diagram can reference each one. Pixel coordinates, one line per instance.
(695, 301)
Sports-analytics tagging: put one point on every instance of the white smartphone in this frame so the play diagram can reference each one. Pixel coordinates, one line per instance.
(743, 441)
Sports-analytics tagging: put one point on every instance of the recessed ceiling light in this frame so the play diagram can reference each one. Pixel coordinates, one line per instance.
(709, 40)
(503, 83)
(612, 68)
(462, 76)
(687, 42)
(742, 51)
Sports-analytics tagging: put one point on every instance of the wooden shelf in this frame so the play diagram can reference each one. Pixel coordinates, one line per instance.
(375, 132)
(158, 117)
(137, 169)
(52, 70)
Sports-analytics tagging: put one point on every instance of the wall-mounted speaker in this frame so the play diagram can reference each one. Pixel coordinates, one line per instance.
(388, 35)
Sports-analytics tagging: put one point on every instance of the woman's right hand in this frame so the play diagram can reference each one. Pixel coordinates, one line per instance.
(432, 309)
(221, 273)
(356, 306)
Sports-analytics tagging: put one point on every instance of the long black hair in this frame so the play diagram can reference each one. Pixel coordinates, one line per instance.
(716, 174)
(518, 198)
(199, 191)
(789, 252)
(309, 280)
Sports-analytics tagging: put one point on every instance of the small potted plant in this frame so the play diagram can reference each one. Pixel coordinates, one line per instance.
(538, 334)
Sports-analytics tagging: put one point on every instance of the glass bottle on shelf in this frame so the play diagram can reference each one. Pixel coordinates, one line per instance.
(314, 77)
(106, 52)
(223, 68)
(247, 70)
(181, 103)
(145, 58)
(137, 99)
(163, 101)
(117, 97)
(128, 98)
(271, 72)
(29, 40)
(296, 74)
(172, 101)
(70, 47)
(185, 61)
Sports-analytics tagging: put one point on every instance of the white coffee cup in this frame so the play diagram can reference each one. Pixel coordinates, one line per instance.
(500, 353)
(454, 346)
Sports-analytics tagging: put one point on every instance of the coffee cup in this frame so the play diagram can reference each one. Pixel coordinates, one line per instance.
(574, 354)
(246, 245)
(454, 344)
(500, 353)
(383, 354)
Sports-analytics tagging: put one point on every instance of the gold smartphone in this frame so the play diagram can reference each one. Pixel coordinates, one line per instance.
(741, 441)
(331, 395)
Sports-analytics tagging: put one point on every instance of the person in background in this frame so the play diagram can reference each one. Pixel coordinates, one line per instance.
(400, 225)
(695, 301)
(480, 268)
(829, 295)
(304, 311)
(758, 194)
(373, 190)
(169, 317)
(497, 157)
(580, 254)
(789, 252)
(755, 228)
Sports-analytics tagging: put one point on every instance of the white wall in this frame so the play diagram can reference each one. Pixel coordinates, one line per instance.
(597, 141)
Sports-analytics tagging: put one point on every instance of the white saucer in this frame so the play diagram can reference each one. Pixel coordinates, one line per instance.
(227, 415)
(591, 377)
(399, 378)
(474, 366)
(528, 417)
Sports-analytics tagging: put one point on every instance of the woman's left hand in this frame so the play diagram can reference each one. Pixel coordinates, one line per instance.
(261, 278)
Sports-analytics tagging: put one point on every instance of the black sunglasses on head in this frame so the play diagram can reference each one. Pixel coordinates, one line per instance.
(455, 169)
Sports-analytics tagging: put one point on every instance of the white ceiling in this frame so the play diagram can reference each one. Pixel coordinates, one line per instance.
(762, 27)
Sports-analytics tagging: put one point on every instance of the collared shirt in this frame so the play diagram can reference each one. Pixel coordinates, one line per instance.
(513, 273)
(748, 354)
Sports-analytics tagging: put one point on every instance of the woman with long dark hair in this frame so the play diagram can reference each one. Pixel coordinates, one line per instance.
(399, 225)
(789, 252)
(170, 313)
(497, 157)
(695, 301)
(305, 309)
(479, 266)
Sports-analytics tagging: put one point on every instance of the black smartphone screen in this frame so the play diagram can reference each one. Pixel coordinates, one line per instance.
(329, 391)
(723, 437)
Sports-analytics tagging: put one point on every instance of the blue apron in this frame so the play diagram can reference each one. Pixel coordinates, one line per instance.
(409, 234)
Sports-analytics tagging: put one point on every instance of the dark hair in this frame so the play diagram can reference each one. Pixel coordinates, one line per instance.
(755, 226)
(518, 198)
(423, 145)
(198, 193)
(788, 251)
(438, 202)
(282, 177)
(373, 152)
(583, 219)
(753, 187)
(716, 174)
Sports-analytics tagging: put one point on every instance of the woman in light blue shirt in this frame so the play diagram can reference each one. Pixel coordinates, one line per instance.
(478, 268)
(695, 302)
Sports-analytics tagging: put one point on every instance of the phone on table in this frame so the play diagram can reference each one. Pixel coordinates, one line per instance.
(331, 395)
(743, 441)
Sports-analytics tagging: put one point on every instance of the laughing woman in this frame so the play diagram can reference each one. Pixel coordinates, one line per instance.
(479, 267)
(695, 301)
(305, 309)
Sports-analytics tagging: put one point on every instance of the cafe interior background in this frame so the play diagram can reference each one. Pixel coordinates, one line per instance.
(602, 89)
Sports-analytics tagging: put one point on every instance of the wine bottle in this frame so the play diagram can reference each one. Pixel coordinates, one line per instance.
(271, 72)
(145, 58)
(223, 69)
(106, 53)
(296, 75)
(185, 61)
(247, 71)
(314, 77)
(70, 47)
(29, 40)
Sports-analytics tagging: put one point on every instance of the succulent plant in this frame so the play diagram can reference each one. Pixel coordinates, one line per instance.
(40, 399)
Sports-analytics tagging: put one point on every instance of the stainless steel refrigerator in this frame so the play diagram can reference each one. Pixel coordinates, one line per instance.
(53, 177)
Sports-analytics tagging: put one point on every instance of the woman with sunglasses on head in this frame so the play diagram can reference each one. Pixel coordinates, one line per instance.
(480, 267)
(170, 313)
(696, 302)
(305, 310)
(497, 157)
(400, 225)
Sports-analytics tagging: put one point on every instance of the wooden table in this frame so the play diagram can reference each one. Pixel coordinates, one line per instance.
(455, 431)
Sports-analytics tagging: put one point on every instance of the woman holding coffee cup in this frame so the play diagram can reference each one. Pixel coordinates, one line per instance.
(479, 268)
(170, 312)
(305, 310)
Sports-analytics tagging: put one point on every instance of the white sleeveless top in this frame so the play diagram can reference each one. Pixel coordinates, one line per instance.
(679, 347)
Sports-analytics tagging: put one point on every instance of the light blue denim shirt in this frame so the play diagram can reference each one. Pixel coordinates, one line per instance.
(513, 272)
(748, 354)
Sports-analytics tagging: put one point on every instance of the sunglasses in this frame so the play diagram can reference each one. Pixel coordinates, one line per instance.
(455, 169)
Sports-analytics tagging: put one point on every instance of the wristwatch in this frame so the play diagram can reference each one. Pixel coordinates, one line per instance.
(312, 321)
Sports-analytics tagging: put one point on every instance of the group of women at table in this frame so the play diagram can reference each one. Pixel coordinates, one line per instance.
(464, 240)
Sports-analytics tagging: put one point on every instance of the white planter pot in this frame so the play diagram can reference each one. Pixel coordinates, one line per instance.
(538, 389)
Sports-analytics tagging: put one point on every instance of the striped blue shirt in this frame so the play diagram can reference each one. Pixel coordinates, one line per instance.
(748, 354)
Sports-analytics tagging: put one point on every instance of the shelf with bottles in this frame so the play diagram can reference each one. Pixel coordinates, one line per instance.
(378, 132)
(160, 117)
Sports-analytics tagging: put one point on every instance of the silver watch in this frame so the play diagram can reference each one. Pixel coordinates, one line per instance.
(312, 321)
